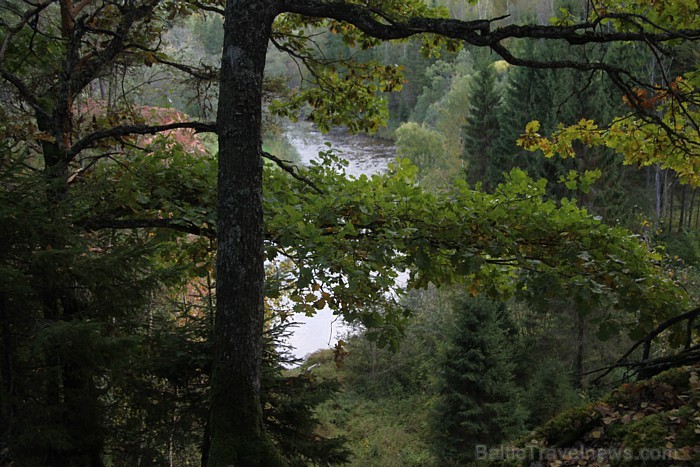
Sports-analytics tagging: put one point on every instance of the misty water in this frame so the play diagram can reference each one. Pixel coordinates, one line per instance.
(365, 155)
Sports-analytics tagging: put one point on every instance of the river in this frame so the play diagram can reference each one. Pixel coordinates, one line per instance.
(365, 155)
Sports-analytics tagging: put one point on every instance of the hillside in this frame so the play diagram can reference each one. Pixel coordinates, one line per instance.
(653, 422)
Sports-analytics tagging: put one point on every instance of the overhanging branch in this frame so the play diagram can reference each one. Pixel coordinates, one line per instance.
(480, 33)
(477, 32)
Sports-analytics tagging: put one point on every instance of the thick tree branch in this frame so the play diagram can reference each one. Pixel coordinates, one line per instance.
(476, 32)
(366, 20)
(127, 130)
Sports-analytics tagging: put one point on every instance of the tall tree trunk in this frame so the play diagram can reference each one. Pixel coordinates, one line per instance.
(237, 434)
(7, 373)
(681, 217)
(580, 337)
(669, 189)
(206, 444)
(71, 388)
(657, 193)
(691, 206)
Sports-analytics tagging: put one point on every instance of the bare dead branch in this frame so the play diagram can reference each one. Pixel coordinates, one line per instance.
(205, 73)
(623, 362)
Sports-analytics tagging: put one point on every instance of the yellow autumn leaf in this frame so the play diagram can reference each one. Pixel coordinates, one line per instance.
(532, 127)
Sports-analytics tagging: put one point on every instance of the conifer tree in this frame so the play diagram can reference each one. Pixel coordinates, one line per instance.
(289, 403)
(482, 129)
(478, 401)
(518, 107)
(563, 98)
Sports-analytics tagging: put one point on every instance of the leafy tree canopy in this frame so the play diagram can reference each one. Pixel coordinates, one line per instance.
(350, 238)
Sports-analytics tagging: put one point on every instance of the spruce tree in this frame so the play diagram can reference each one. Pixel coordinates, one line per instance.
(482, 128)
(564, 98)
(289, 403)
(518, 107)
(478, 402)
